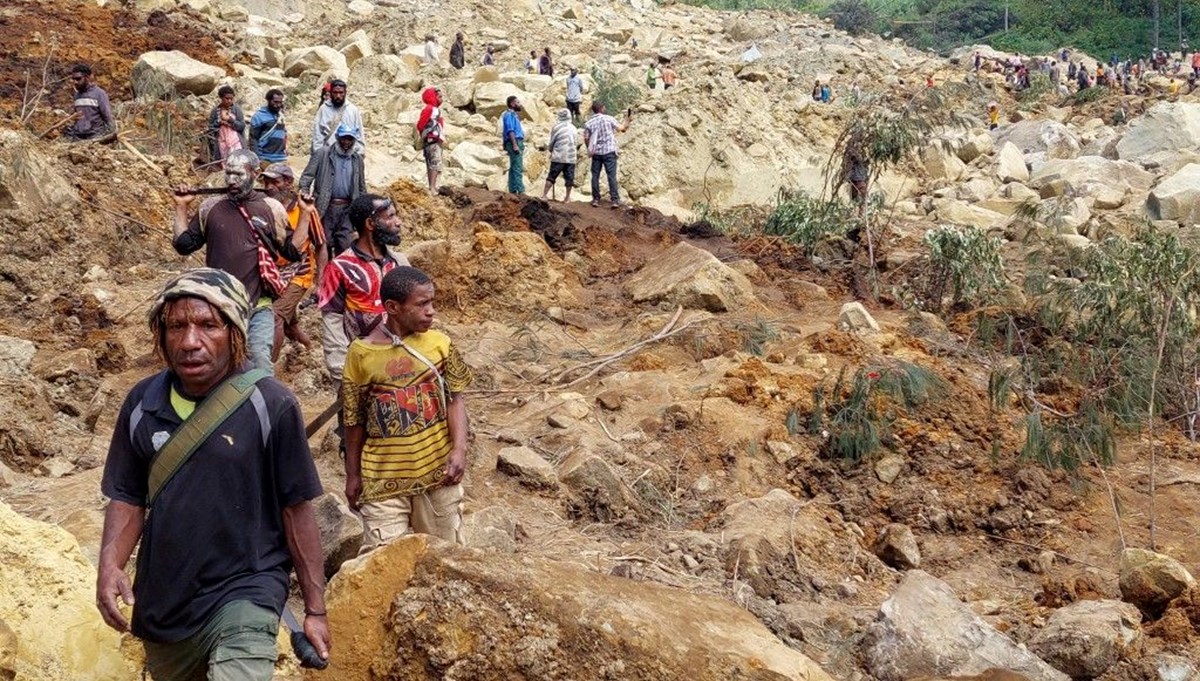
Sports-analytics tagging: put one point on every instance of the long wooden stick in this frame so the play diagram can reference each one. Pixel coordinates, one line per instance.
(141, 157)
(56, 126)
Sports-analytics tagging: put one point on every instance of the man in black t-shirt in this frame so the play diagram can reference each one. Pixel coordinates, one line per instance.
(212, 571)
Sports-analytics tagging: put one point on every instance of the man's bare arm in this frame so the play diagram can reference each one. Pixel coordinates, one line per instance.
(122, 528)
(304, 543)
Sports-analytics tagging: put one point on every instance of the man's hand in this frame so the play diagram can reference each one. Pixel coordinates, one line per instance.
(307, 202)
(353, 490)
(456, 466)
(316, 630)
(181, 196)
(113, 582)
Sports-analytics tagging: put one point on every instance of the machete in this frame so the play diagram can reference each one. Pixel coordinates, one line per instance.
(301, 646)
(323, 418)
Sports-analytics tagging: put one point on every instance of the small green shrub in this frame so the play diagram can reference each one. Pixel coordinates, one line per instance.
(965, 268)
(756, 335)
(806, 221)
(616, 95)
(856, 415)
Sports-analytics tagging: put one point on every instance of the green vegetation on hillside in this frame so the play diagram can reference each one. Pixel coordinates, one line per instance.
(1101, 28)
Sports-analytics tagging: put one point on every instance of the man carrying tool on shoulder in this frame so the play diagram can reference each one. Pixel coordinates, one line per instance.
(217, 452)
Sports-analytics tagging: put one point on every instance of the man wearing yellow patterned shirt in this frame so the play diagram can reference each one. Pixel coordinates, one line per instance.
(406, 419)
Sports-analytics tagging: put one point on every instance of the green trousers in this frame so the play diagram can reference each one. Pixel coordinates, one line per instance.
(235, 644)
(516, 167)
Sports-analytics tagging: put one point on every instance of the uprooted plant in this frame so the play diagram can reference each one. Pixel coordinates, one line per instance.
(855, 416)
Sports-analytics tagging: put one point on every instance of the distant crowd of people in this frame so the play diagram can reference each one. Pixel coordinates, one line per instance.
(1068, 74)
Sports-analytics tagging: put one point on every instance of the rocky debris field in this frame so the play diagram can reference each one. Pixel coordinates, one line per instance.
(653, 492)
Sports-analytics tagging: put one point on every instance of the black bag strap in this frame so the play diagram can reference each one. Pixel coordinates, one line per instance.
(209, 416)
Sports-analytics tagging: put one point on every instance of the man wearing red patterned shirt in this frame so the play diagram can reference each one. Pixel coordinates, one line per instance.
(349, 294)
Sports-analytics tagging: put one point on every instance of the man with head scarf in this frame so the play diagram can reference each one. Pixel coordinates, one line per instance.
(564, 152)
(335, 176)
(230, 518)
(243, 232)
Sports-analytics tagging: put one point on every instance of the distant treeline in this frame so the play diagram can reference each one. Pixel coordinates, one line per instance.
(1099, 27)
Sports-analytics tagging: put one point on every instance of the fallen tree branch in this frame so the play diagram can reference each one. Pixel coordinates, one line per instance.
(1042, 548)
(600, 363)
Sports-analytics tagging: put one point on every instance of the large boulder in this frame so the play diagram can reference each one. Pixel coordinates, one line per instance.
(594, 488)
(491, 97)
(962, 213)
(340, 529)
(1108, 182)
(419, 609)
(1032, 136)
(159, 73)
(30, 185)
(478, 159)
(923, 630)
(1167, 129)
(1085, 638)
(1150, 580)
(49, 603)
(356, 46)
(941, 163)
(315, 59)
(692, 277)
(897, 546)
(1010, 164)
(384, 71)
(1175, 198)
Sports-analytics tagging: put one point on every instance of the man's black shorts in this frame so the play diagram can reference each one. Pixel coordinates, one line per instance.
(567, 170)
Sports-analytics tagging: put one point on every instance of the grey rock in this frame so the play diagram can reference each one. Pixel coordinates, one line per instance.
(341, 531)
(854, 317)
(897, 546)
(1150, 580)
(528, 467)
(924, 630)
(1085, 638)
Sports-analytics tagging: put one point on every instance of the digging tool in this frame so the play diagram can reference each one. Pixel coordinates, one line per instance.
(301, 646)
(323, 418)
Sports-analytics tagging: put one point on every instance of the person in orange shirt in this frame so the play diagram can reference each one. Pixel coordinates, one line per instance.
(308, 236)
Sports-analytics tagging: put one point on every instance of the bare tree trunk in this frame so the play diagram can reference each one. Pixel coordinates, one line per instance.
(1157, 6)
(1179, 25)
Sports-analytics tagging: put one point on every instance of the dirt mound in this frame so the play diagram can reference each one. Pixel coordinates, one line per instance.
(36, 39)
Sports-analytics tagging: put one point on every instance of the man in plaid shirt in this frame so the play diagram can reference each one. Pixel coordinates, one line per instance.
(600, 136)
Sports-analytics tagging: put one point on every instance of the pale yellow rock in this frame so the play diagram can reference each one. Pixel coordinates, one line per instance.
(49, 602)
(503, 617)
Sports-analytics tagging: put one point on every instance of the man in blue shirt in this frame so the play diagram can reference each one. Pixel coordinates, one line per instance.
(514, 144)
(268, 136)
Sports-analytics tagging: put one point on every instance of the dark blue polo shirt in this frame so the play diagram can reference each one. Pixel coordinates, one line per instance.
(215, 533)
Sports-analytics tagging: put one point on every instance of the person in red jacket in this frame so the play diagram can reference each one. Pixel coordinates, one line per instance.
(430, 127)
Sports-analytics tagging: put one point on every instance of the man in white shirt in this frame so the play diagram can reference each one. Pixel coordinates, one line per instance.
(335, 112)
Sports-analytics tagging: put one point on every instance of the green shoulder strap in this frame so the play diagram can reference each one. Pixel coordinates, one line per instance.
(209, 416)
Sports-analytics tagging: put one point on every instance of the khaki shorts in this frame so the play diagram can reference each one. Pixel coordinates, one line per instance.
(436, 512)
(433, 156)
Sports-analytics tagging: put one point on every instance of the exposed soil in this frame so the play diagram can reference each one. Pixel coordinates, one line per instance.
(38, 48)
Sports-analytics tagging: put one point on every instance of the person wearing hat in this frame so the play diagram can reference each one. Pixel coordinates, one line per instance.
(308, 237)
(564, 152)
(231, 519)
(333, 113)
(335, 176)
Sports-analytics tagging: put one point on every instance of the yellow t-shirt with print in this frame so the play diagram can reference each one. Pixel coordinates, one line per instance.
(399, 401)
